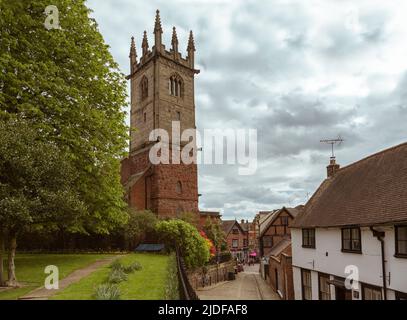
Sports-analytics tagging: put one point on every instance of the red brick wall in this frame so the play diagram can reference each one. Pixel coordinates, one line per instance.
(162, 194)
(282, 265)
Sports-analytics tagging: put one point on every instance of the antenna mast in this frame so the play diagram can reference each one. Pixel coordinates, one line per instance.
(332, 142)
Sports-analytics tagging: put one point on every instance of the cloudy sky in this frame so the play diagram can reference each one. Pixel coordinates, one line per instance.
(297, 71)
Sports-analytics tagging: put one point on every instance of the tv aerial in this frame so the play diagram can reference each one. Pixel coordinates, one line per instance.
(338, 141)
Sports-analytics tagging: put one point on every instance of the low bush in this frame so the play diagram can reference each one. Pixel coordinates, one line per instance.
(117, 276)
(172, 286)
(135, 266)
(116, 265)
(107, 292)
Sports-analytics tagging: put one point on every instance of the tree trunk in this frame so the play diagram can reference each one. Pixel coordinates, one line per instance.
(12, 279)
(2, 276)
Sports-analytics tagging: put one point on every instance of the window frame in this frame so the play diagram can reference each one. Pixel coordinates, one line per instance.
(320, 293)
(309, 244)
(302, 283)
(371, 287)
(351, 250)
(233, 243)
(396, 241)
(270, 245)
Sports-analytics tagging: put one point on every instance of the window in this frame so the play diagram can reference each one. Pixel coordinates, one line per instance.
(145, 117)
(178, 187)
(284, 221)
(401, 296)
(351, 241)
(178, 116)
(324, 287)
(235, 243)
(308, 238)
(144, 88)
(267, 241)
(175, 86)
(306, 284)
(401, 241)
(371, 292)
(235, 231)
(244, 242)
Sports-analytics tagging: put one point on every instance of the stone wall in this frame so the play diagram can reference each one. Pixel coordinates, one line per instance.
(214, 274)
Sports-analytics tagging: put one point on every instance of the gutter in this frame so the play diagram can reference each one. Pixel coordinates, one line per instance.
(380, 236)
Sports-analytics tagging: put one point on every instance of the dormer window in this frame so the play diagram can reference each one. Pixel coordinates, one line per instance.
(144, 88)
(175, 86)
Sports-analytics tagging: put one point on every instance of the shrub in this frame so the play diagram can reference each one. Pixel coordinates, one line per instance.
(172, 286)
(135, 266)
(116, 265)
(107, 292)
(117, 276)
(193, 246)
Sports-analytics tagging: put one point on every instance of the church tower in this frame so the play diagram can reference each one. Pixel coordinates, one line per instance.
(162, 91)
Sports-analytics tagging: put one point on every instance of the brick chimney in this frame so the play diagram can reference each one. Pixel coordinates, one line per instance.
(242, 221)
(332, 168)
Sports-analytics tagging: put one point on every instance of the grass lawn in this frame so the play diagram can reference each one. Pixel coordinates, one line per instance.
(146, 284)
(30, 269)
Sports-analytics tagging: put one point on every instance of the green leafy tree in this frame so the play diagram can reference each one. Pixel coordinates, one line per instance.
(192, 245)
(66, 82)
(140, 225)
(37, 187)
(190, 217)
(214, 232)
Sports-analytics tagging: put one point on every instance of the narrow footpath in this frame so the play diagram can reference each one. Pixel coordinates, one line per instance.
(44, 294)
(248, 286)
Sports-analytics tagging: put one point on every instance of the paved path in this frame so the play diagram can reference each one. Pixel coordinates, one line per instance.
(247, 286)
(43, 294)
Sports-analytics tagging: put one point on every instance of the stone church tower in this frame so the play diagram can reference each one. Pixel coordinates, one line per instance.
(162, 91)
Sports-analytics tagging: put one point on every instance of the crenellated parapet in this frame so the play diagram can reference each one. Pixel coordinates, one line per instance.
(159, 50)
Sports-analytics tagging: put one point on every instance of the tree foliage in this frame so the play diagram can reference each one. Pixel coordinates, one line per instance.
(67, 84)
(214, 232)
(37, 185)
(140, 225)
(194, 248)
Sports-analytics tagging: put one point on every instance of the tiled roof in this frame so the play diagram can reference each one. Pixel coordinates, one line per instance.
(279, 247)
(368, 192)
(227, 226)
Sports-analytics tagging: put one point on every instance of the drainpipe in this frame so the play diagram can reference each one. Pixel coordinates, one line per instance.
(380, 235)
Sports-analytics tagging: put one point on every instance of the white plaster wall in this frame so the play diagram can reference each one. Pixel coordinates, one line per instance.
(328, 258)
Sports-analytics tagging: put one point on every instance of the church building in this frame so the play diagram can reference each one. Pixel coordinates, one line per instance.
(162, 91)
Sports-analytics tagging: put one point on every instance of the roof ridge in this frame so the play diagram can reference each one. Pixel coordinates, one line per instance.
(373, 155)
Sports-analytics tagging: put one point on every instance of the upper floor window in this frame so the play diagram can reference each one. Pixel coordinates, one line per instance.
(351, 240)
(284, 221)
(235, 231)
(401, 240)
(267, 241)
(235, 243)
(308, 238)
(144, 88)
(175, 86)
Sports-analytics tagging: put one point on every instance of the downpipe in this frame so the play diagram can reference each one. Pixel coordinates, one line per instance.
(380, 236)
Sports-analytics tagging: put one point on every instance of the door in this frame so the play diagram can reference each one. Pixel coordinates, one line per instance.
(343, 293)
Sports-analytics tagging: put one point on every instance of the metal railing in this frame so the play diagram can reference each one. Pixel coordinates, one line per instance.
(186, 290)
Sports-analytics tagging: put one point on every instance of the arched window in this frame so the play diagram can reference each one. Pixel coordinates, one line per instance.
(144, 88)
(178, 187)
(175, 86)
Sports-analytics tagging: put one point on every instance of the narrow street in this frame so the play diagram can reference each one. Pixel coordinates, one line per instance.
(247, 286)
